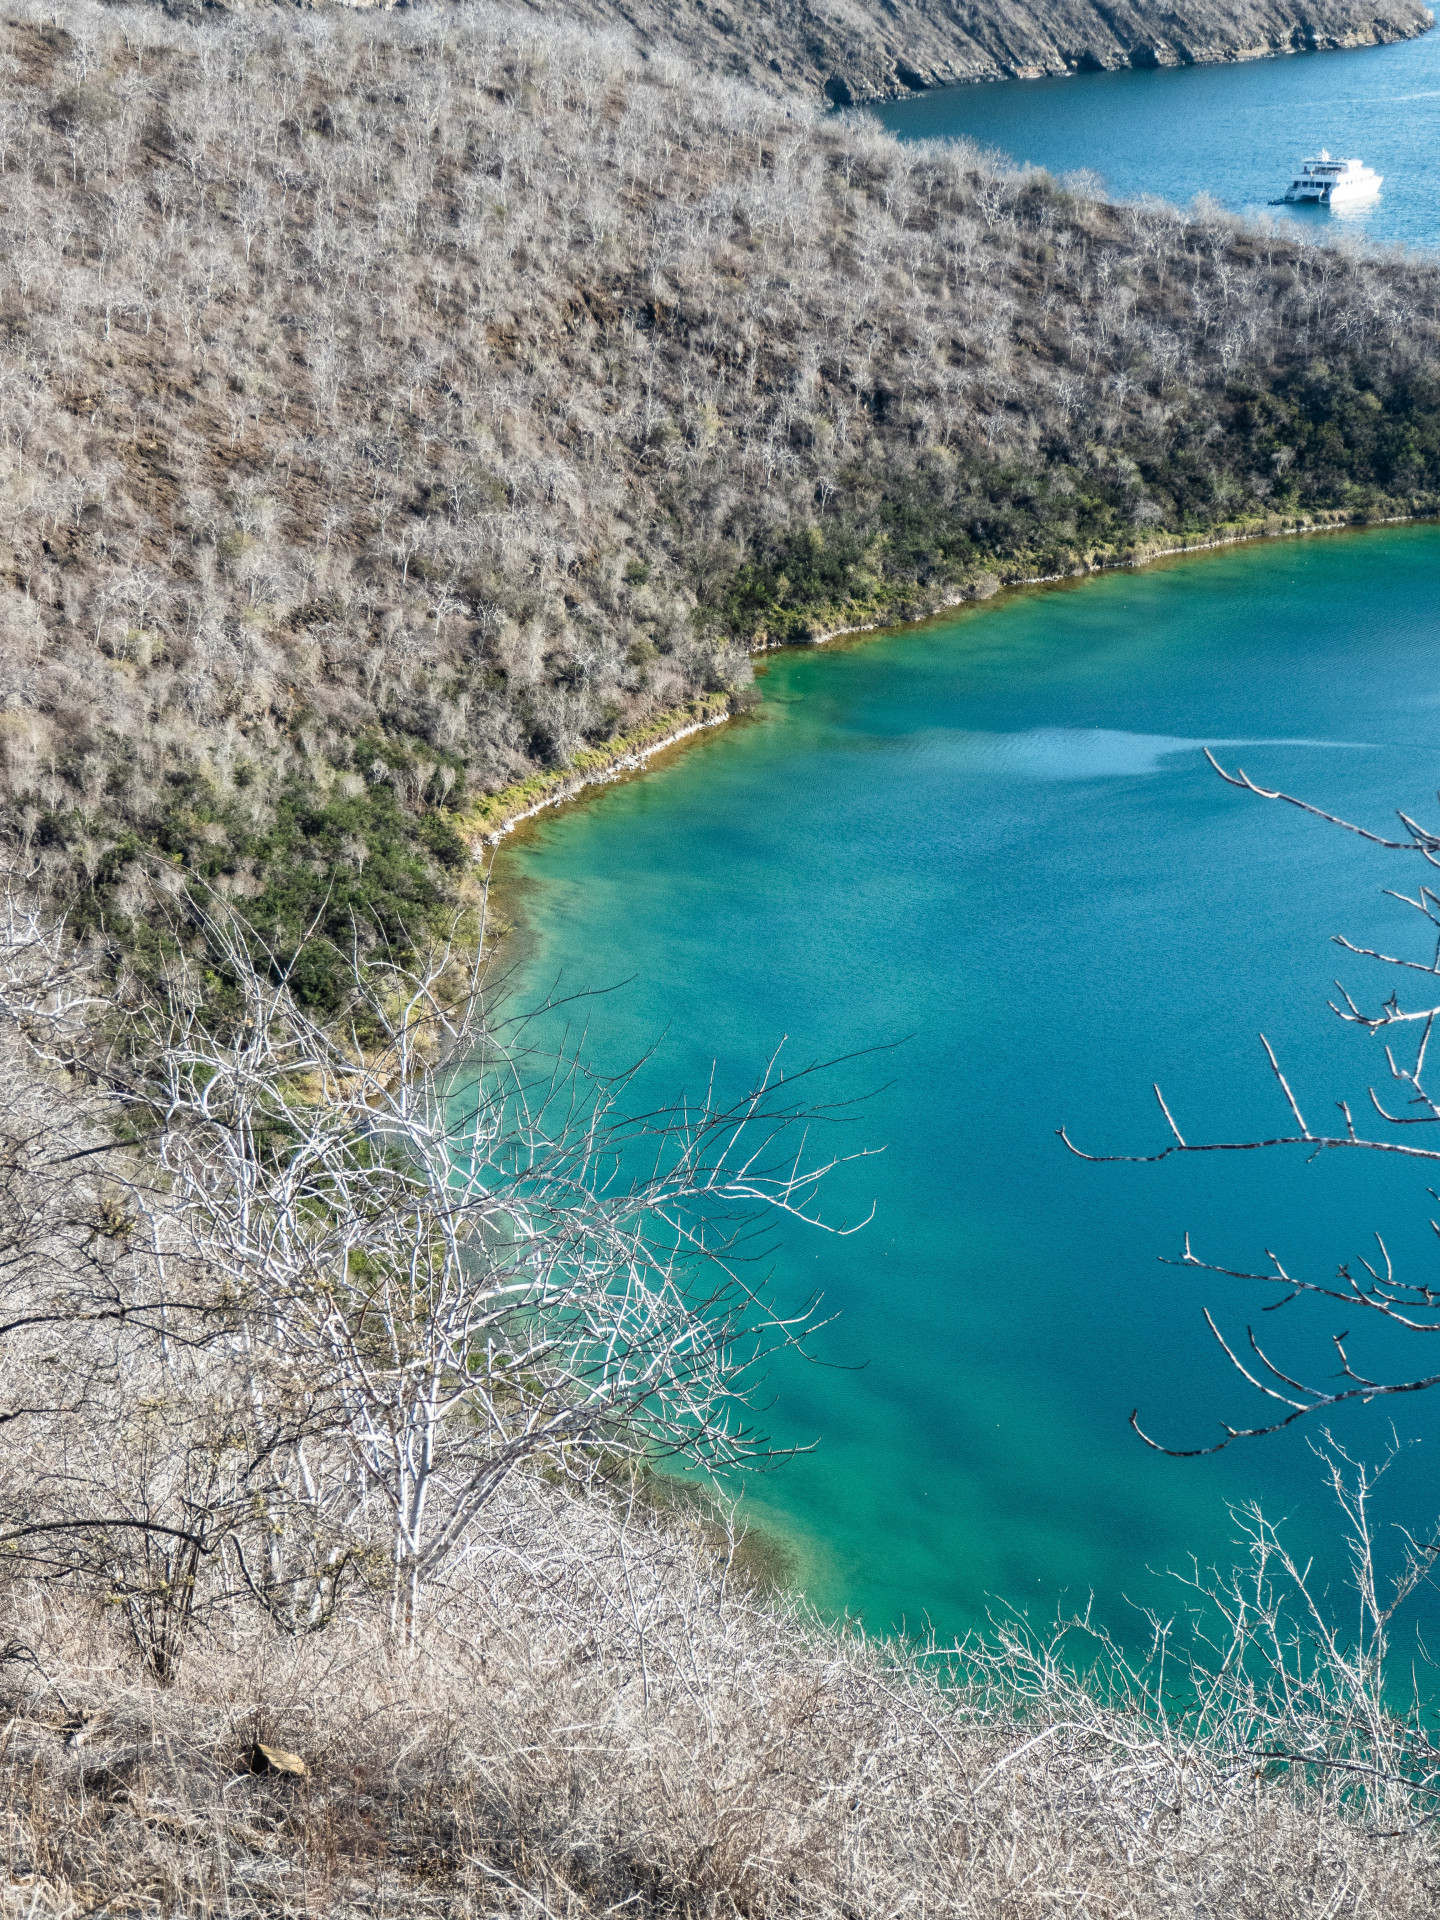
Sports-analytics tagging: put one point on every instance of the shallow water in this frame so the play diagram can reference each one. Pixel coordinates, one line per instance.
(1235, 132)
(995, 841)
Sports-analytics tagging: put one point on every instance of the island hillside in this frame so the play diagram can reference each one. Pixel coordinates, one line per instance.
(401, 415)
(406, 413)
(854, 50)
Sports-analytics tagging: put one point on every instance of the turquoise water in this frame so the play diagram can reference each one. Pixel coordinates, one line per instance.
(994, 841)
(1233, 132)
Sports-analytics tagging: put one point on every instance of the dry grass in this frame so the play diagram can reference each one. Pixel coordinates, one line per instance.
(395, 405)
(384, 400)
(601, 1708)
(600, 1721)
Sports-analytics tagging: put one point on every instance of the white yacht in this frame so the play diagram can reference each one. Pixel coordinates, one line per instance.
(1332, 182)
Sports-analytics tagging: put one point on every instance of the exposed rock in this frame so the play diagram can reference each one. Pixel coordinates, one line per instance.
(856, 50)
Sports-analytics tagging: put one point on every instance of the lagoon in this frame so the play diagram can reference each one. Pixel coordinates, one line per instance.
(1233, 132)
(994, 842)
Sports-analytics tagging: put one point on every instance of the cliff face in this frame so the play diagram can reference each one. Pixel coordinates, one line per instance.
(855, 50)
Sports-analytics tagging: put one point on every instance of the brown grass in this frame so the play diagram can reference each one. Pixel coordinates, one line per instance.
(600, 1721)
(603, 1706)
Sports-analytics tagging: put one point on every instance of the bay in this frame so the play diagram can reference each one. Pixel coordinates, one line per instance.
(1233, 132)
(994, 842)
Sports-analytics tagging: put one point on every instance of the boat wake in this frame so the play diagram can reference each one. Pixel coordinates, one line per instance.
(1097, 753)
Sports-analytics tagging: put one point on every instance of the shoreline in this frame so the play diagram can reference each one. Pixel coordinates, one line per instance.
(492, 819)
(1297, 531)
(1163, 59)
(787, 1541)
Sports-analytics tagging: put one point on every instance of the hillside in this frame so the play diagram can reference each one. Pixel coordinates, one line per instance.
(397, 411)
(856, 50)
(402, 406)
(246, 1669)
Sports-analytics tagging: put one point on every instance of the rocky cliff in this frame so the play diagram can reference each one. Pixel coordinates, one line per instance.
(855, 50)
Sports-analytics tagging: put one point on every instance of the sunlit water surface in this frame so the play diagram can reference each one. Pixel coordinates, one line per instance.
(995, 841)
(1234, 132)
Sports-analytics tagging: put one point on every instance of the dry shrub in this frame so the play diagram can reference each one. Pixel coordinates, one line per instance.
(594, 1705)
(599, 1720)
(397, 403)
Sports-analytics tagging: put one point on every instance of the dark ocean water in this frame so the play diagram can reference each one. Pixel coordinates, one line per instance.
(1233, 132)
(995, 842)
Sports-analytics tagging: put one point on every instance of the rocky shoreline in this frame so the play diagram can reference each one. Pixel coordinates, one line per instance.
(500, 813)
(1110, 49)
(853, 54)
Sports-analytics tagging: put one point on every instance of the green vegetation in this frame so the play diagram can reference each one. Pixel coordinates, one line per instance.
(496, 811)
(1343, 443)
(315, 872)
(406, 416)
(359, 489)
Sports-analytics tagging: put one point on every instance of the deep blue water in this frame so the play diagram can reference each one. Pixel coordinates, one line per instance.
(1235, 132)
(995, 841)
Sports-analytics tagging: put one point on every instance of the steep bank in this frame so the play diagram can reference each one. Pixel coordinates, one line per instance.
(497, 814)
(405, 407)
(856, 50)
(588, 1709)
(599, 1720)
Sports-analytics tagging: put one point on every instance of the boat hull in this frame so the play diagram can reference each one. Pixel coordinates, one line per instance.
(1336, 197)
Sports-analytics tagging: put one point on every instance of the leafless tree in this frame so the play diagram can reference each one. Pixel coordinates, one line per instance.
(419, 1250)
(1370, 1286)
(313, 436)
